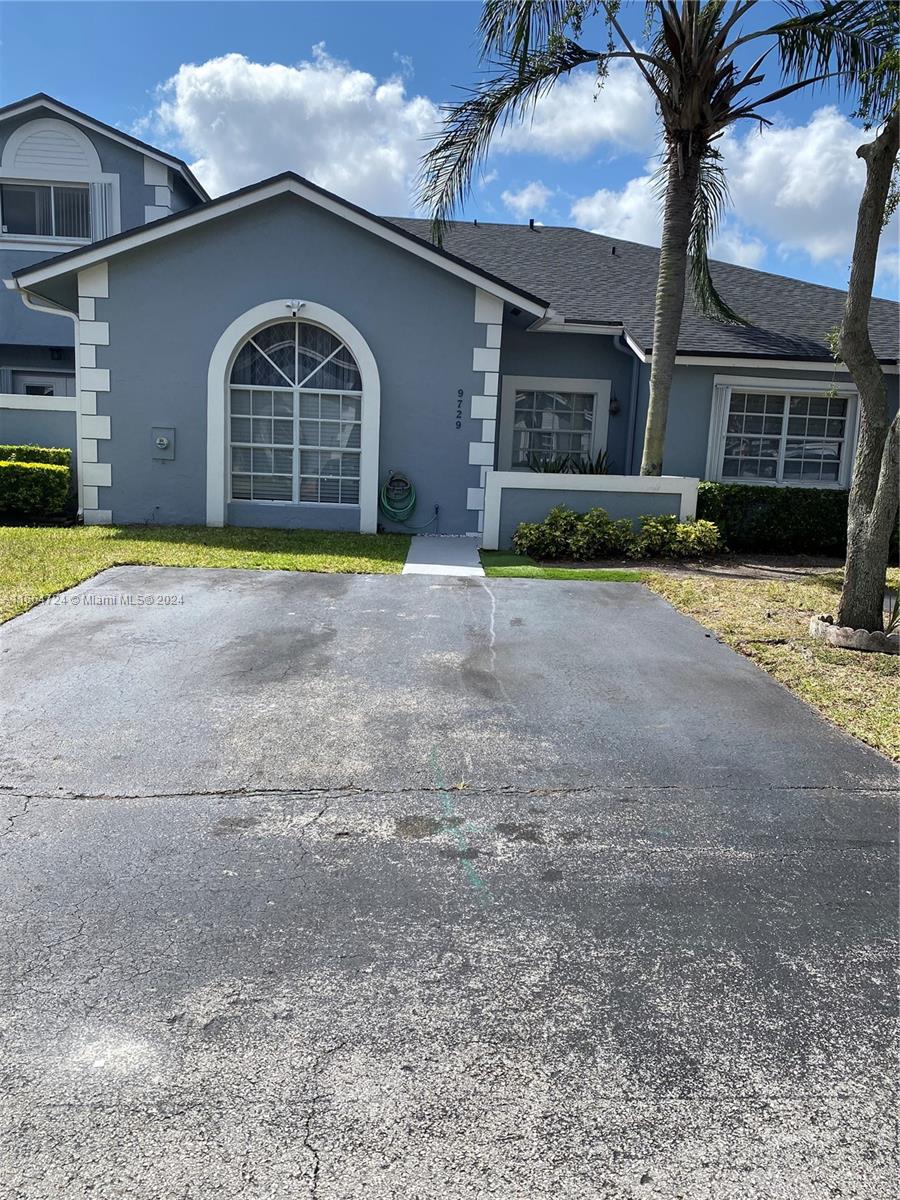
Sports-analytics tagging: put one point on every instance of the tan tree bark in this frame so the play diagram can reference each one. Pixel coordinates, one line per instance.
(872, 508)
(681, 193)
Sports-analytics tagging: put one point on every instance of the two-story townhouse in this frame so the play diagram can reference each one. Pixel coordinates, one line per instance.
(66, 180)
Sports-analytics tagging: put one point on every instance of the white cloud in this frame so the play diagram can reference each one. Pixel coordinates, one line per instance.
(795, 188)
(241, 121)
(633, 213)
(731, 245)
(799, 185)
(573, 119)
(529, 200)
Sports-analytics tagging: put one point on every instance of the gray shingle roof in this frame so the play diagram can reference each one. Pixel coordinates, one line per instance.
(581, 277)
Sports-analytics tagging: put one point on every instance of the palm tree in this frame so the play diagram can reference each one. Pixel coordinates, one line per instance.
(699, 93)
(809, 43)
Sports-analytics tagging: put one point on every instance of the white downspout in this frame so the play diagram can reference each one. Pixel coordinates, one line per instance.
(54, 310)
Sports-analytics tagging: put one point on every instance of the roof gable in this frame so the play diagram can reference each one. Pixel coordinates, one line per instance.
(41, 101)
(286, 183)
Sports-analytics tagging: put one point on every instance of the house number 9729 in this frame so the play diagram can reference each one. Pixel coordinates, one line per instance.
(459, 406)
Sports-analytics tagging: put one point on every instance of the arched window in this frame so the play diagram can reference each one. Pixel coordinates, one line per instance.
(295, 396)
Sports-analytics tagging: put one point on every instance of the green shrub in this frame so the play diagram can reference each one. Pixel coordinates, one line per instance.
(33, 489)
(776, 520)
(657, 537)
(39, 454)
(550, 538)
(696, 539)
(582, 537)
(598, 536)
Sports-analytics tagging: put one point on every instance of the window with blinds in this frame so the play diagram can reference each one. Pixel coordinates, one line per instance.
(295, 417)
(47, 210)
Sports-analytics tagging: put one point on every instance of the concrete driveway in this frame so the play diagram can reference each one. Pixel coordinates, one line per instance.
(407, 887)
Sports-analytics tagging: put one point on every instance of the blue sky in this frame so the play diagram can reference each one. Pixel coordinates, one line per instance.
(346, 93)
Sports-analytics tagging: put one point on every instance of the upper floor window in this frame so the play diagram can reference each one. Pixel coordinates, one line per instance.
(53, 187)
(46, 210)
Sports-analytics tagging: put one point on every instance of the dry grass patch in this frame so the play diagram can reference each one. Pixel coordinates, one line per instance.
(768, 621)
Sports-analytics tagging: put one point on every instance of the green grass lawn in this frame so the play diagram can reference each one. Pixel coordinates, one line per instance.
(501, 564)
(768, 621)
(36, 563)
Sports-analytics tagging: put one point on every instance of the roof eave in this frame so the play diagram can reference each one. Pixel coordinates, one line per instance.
(287, 182)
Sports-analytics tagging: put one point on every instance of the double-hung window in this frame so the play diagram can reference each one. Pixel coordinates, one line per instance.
(47, 210)
(782, 435)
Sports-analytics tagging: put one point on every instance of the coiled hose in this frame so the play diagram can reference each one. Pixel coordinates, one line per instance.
(397, 500)
(398, 497)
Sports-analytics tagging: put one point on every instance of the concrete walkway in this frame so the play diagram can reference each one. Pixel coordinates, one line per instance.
(433, 554)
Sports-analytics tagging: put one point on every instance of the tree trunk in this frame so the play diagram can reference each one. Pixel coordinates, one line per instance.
(681, 193)
(872, 508)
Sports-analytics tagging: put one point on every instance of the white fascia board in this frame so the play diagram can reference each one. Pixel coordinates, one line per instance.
(575, 327)
(700, 360)
(104, 131)
(193, 217)
(779, 383)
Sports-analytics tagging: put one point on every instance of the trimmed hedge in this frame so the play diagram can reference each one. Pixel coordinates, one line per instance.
(564, 534)
(776, 520)
(33, 489)
(38, 454)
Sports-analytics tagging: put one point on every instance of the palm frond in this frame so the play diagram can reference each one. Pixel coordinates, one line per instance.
(853, 41)
(447, 170)
(712, 200)
(515, 29)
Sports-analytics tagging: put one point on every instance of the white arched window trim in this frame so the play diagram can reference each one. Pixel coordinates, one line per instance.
(218, 378)
(89, 169)
(104, 186)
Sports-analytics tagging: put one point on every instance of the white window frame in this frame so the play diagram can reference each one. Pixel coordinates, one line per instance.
(27, 376)
(92, 175)
(217, 403)
(600, 389)
(723, 385)
(52, 184)
(295, 392)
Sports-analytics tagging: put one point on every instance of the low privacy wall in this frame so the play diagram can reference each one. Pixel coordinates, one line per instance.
(514, 496)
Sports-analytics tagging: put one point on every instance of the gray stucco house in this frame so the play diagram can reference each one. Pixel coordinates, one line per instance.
(268, 357)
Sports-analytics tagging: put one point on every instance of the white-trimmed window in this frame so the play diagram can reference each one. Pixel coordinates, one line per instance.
(769, 432)
(53, 189)
(542, 419)
(46, 210)
(295, 417)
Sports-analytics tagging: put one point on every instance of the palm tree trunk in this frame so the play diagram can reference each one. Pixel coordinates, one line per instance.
(681, 193)
(872, 508)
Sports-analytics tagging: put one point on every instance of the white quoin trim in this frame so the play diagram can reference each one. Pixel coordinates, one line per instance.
(218, 376)
(497, 481)
(93, 473)
(486, 362)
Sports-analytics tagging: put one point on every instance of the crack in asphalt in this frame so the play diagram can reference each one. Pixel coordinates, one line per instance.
(308, 1146)
(341, 790)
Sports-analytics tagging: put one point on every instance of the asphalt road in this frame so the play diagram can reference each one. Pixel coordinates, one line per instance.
(423, 888)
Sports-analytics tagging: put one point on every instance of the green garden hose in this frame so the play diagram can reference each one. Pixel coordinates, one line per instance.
(398, 497)
(397, 500)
